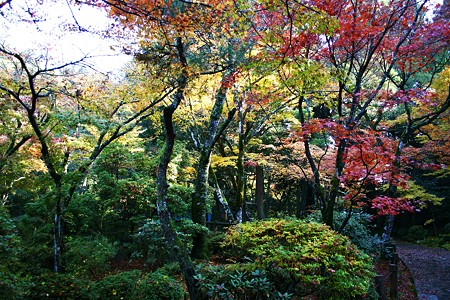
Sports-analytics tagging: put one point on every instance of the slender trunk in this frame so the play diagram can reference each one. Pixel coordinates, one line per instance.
(58, 239)
(58, 233)
(178, 251)
(201, 189)
(387, 230)
(330, 200)
(389, 222)
(240, 180)
(325, 202)
(223, 201)
(260, 192)
(347, 218)
(302, 197)
(269, 201)
(199, 199)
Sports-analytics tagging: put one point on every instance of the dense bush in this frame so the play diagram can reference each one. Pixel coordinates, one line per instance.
(35, 229)
(117, 286)
(89, 255)
(158, 286)
(417, 233)
(149, 242)
(300, 258)
(52, 285)
(10, 249)
(134, 285)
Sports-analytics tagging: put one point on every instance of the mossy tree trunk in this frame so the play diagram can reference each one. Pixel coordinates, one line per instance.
(178, 251)
(200, 195)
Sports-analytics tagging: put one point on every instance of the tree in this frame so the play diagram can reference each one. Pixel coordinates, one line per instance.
(53, 110)
(169, 26)
(205, 147)
(14, 137)
(372, 41)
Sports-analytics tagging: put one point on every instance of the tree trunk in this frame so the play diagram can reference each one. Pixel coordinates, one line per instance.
(178, 251)
(240, 174)
(200, 195)
(228, 215)
(58, 239)
(260, 192)
(199, 199)
(302, 197)
(240, 180)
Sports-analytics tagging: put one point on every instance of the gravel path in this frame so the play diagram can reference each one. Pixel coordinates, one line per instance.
(430, 268)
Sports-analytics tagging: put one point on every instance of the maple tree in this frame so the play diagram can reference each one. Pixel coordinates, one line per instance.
(372, 41)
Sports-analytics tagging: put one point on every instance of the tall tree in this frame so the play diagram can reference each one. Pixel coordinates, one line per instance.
(169, 28)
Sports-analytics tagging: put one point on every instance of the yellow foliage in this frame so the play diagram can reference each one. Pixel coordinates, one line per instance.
(223, 162)
(416, 192)
(442, 82)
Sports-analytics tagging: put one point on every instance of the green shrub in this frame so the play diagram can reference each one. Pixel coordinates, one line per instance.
(134, 285)
(58, 286)
(10, 250)
(89, 255)
(357, 229)
(417, 233)
(14, 285)
(300, 258)
(440, 241)
(227, 282)
(35, 230)
(149, 242)
(213, 241)
(158, 286)
(446, 229)
(118, 286)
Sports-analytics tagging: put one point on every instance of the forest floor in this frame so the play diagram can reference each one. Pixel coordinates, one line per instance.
(430, 268)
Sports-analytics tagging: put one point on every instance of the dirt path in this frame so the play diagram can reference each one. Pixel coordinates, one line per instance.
(430, 268)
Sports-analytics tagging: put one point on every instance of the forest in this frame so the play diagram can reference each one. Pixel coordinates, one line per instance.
(263, 149)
